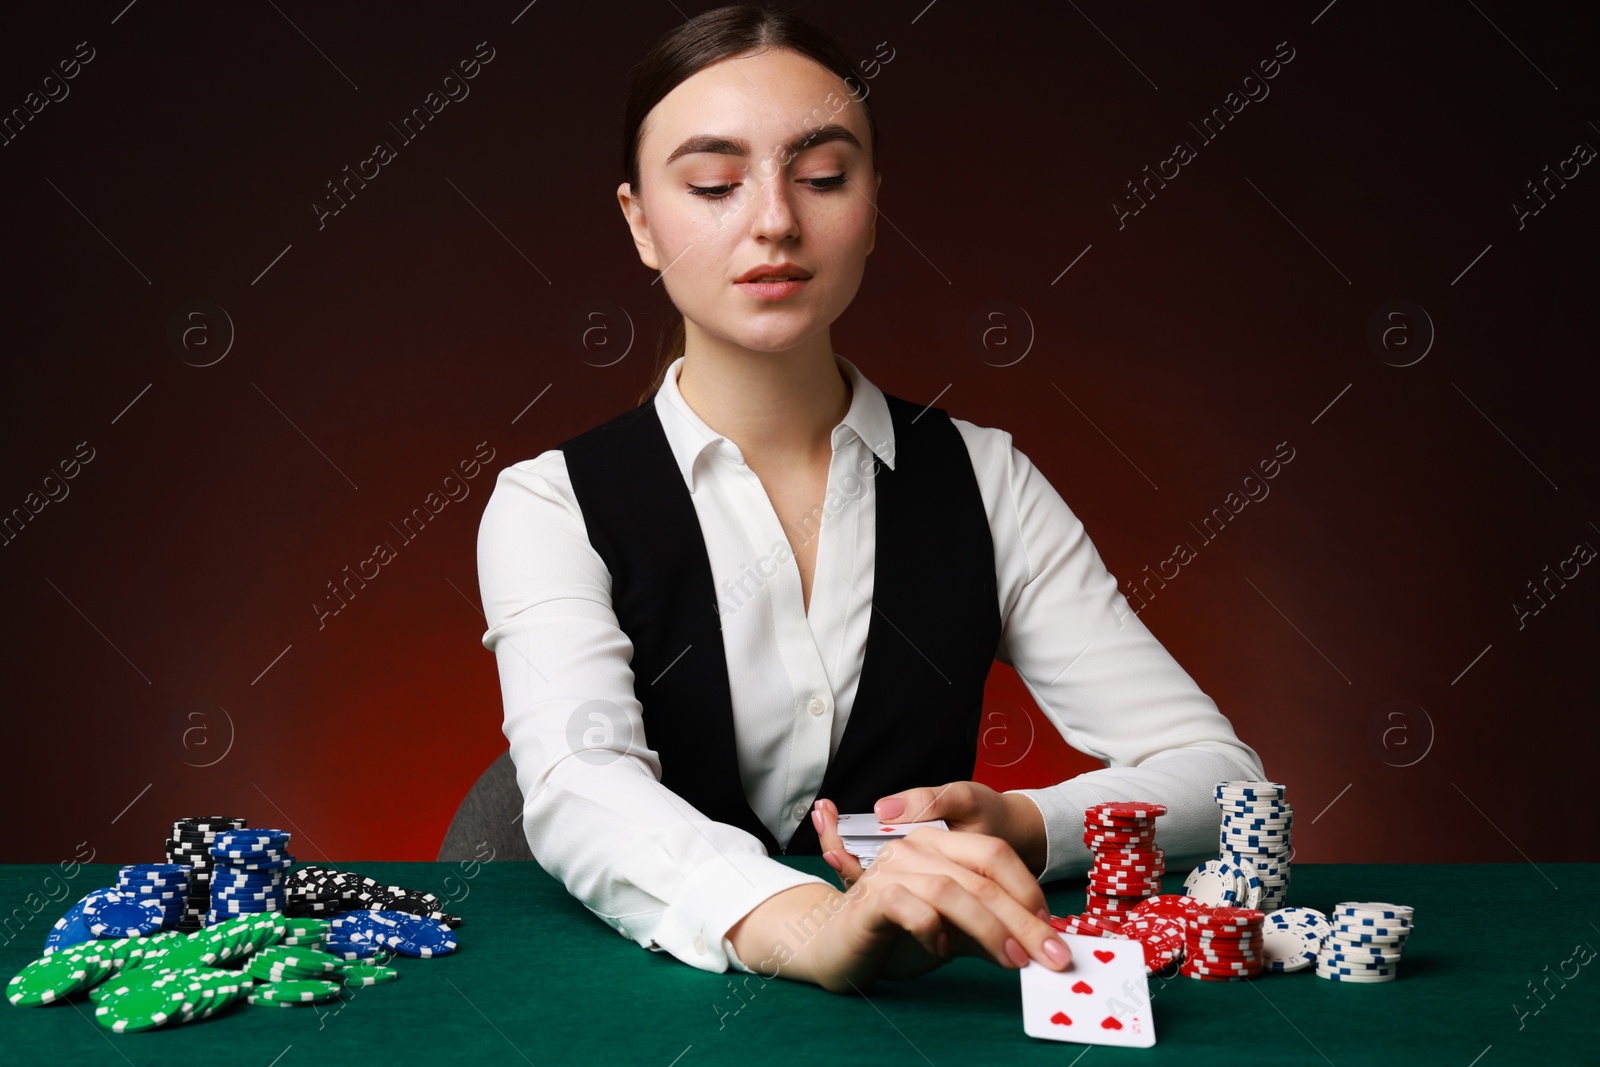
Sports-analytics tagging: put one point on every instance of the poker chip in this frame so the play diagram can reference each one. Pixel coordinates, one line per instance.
(1087, 925)
(71, 929)
(1214, 883)
(366, 974)
(1293, 937)
(1163, 939)
(112, 913)
(296, 991)
(53, 978)
(1171, 905)
(1128, 810)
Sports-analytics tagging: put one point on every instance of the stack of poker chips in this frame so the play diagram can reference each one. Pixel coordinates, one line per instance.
(1365, 943)
(248, 872)
(1224, 944)
(318, 890)
(1128, 864)
(190, 846)
(1293, 937)
(167, 884)
(1252, 865)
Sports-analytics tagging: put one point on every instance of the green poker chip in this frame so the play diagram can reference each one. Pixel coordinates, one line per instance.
(357, 975)
(295, 991)
(53, 978)
(140, 1007)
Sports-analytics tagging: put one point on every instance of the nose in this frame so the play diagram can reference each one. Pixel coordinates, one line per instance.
(774, 217)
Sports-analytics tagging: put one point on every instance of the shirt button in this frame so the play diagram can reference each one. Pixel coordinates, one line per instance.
(817, 706)
(800, 811)
(700, 943)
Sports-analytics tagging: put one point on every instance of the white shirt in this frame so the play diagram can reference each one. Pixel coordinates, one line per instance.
(660, 872)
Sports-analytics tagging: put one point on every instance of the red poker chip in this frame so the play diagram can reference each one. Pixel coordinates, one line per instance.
(1150, 878)
(1225, 954)
(1118, 837)
(1219, 960)
(1105, 901)
(1130, 855)
(1211, 977)
(1200, 963)
(1121, 887)
(1144, 887)
(1171, 905)
(1128, 809)
(1126, 876)
(1129, 870)
(1230, 916)
(1087, 925)
(1118, 825)
(1226, 947)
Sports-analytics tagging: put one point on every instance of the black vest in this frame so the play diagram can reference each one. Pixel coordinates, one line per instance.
(930, 643)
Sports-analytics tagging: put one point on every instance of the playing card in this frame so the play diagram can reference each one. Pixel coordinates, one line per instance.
(868, 826)
(1102, 998)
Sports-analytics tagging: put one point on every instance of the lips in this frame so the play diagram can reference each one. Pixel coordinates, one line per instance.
(774, 272)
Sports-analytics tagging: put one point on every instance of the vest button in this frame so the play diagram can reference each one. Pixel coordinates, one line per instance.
(817, 706)
(800, 811)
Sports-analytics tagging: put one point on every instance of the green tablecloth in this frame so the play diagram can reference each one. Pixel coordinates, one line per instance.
(538, 980)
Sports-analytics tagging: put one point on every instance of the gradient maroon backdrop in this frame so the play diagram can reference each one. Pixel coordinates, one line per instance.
(250, 391)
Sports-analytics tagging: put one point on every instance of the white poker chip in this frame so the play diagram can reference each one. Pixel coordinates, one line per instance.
(1288, 943)
(1215, 883)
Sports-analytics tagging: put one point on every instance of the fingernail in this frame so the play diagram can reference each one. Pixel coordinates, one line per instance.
(892, 808)
(1043, 913)
(1057, 951)
(944, 944)
(816, 819)
(1018, 954)
(831, 861)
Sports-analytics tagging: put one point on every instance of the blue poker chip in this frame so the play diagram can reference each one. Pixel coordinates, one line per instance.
(155, 874)
(414, 935)
(71, 929)
(115, 914)
(346, 949)
(251, 838)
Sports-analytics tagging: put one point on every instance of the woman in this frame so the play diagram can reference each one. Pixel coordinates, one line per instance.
(681, 601)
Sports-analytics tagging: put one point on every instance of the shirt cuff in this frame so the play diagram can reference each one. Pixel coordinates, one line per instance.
(713, 899)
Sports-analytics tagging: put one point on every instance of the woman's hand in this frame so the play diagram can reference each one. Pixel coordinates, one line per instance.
(966, 806)
(928, 897)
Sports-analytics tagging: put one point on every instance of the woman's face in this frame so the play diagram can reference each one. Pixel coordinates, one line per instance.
(730, 184)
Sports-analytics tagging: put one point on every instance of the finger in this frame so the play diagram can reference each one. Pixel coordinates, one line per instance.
(825, 818)
(991, 872)
(923, 804)
(900, 907)
(991, 857)
(983, 930)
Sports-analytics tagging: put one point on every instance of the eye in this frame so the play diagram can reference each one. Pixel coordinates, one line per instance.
(717, 192)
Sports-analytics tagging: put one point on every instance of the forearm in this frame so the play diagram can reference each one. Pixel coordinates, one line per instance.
(772, 938)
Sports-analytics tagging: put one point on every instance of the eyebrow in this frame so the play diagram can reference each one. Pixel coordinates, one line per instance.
(736, 146)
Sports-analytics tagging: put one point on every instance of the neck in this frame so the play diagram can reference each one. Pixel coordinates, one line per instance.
(775, 406)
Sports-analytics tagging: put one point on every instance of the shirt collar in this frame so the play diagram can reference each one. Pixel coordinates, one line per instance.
(867, 420)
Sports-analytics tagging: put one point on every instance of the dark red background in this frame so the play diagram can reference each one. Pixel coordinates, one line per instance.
(1172, 357)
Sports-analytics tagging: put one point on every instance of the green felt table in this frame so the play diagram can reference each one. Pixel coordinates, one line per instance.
(538, 980)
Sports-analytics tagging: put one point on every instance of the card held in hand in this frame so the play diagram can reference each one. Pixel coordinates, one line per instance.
(1102, 998)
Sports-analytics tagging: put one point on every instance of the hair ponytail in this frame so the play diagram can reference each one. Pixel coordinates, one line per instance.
(674, 349)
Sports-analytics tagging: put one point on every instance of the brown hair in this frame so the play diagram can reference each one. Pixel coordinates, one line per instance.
(703, 40)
